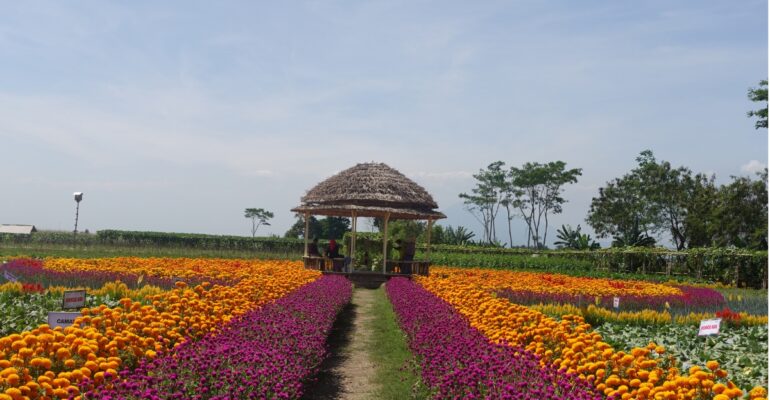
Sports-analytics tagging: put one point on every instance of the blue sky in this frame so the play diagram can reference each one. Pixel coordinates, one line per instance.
(177, 116)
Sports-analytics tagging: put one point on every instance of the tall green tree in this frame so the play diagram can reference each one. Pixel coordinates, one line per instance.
(258, 216)
(485, 199)
(759, 95)
(741, 215)
(655, 197)
(536, 189)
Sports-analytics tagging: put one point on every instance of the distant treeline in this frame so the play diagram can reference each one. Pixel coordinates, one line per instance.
(727, 265)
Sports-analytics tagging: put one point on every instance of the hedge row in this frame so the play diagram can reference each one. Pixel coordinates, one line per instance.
(735, 266)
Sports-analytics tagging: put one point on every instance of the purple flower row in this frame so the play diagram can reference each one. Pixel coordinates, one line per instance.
(692, 299)
(459, 362)
(28, 270)
(267, 353)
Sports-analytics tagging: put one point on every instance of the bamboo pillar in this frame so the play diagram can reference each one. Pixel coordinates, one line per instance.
(353, 242)
(430, 231)
(385, 244)
(307, 229)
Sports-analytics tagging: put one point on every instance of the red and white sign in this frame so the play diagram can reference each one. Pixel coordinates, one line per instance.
(709, 327)
(616, 302)
(74, 299)
(63, 319)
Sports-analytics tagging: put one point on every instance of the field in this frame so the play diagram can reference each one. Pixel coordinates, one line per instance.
(244, 328)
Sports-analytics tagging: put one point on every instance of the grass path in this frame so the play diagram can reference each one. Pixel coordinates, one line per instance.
(368, 354)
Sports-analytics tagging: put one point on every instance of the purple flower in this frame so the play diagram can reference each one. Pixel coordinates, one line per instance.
(459, 362)
(267, 353)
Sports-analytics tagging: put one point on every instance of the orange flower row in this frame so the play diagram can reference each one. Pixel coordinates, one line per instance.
(643, 373)
(50, 363)
(182, 268)
(540, 282)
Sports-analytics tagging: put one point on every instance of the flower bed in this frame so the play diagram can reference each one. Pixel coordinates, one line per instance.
(459, 362)
(266, 353)
(51, 363)
(60, 272)
(571, 343)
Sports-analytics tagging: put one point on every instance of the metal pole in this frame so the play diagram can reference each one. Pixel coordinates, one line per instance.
(77, 211)
(385, 244)
(307, 228)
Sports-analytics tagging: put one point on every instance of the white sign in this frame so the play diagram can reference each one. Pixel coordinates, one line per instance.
(74, 299)
(8, 276)
(709, 327)
(63, 319)
(616, 302)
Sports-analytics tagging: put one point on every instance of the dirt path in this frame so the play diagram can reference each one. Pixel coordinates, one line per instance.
(348, 373)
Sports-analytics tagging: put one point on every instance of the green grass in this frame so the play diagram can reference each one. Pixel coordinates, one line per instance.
(397, 373)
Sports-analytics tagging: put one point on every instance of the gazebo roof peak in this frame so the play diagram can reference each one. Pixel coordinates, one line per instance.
(370, 188)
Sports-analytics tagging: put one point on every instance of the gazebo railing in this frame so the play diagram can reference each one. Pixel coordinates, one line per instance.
(392, 267)
(414, 267)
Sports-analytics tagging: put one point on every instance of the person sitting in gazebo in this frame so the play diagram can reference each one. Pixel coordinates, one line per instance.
(407, 249)
(333, 252)
(312, 248)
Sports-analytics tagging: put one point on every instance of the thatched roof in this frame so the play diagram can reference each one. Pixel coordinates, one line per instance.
(370, 189)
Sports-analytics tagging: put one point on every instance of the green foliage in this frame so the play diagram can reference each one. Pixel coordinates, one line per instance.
(536, 190)
(258, 216)
(633, 238)
(654, 197)
(741, 350)
(741, 215)
(759, 94)
(491, 191)
(573, 239)
(326, 228)
(25, 311)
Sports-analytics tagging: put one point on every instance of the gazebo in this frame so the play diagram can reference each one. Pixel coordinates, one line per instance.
(370, 190)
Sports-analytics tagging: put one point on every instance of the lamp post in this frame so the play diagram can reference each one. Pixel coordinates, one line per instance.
(78, 198)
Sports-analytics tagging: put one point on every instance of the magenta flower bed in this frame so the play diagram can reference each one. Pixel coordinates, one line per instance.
(268, 353)
(28, 270)
(459, 362)
(692, 299)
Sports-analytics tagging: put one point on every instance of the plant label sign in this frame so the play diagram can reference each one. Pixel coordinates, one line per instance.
(60, 318)
(9, 276)
(74, 299)
(616, 302)
(709, 327)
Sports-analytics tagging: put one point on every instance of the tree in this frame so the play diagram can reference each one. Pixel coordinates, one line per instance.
(315, 230)
(334, 227)
(326, 228)
(741, 215)
(653, 197)
(634, 237)
(259, 216)
(485, 199)
(536, 189)
(759, 94)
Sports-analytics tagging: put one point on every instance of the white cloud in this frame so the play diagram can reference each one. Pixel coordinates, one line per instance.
(753, 166)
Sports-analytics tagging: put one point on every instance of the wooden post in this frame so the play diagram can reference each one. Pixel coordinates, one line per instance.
(307, 229)
(353, 242)
(430, 230)
(385, 244)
